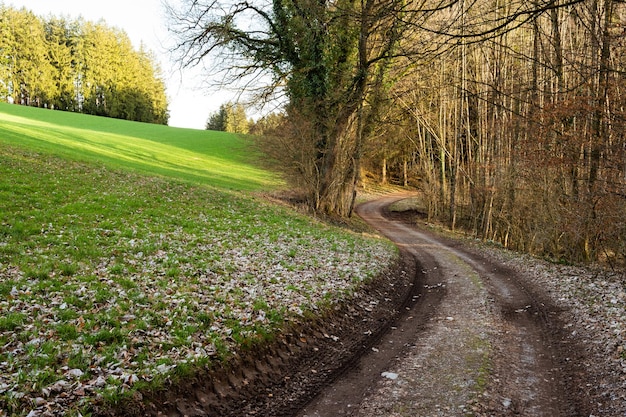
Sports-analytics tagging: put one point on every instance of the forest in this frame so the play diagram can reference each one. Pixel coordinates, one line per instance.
(518, 136)
(78, 66)
(508, 116)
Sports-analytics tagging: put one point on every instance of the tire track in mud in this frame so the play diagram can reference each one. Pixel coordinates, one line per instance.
(349, 389)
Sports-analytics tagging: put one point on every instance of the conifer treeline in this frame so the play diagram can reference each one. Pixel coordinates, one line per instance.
(79, 66)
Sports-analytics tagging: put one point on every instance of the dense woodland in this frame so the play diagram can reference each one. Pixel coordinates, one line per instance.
(507, 115)
(519, 136)
(79, 66)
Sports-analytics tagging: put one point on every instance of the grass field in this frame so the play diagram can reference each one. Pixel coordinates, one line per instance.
(112, 280)
(204, 157)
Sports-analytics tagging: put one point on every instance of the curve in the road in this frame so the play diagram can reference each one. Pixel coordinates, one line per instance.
(477, 339)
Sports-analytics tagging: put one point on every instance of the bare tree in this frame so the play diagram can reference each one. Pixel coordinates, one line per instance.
(523, 125)
(327, 56)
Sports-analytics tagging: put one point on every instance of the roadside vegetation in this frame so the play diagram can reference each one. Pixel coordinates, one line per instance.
(112, 280)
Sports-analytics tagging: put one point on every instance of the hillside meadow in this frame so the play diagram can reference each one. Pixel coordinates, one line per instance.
(218, 159)
(132, 253)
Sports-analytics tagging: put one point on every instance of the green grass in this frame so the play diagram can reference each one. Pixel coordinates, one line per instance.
(136, 268)
(220, 159)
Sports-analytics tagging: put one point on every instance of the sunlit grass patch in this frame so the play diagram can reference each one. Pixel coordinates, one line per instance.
(219, 159)
(130, 279)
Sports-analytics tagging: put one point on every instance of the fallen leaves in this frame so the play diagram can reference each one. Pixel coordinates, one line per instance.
(595, 312)
(105, 290)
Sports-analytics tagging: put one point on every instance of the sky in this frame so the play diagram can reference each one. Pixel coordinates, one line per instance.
(143, 21)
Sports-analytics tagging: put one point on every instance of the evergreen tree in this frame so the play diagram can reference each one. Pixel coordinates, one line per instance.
(27, 70)
(236, 119)
(217, 120)
(63, 40)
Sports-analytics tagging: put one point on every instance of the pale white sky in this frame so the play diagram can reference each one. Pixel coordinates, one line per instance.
(143, 21)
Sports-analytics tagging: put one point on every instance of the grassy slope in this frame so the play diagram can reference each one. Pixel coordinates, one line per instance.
(111, 279)
(216, 158)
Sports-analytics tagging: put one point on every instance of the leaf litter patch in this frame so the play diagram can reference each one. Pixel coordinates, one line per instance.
(103, 293)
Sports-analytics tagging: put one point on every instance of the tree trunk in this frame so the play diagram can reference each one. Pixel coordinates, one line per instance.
(405, 174)
(600, 130)
(384, 172)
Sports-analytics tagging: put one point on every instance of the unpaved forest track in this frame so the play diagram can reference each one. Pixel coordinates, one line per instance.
(489, 346)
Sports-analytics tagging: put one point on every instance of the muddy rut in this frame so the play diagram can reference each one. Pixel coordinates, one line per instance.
(446, 332)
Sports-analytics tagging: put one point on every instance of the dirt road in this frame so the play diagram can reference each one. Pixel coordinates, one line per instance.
(445, 332)
(475, 341)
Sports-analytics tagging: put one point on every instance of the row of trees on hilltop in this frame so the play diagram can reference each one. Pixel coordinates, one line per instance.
(230, 117)
(79, 66)
(509, 115)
